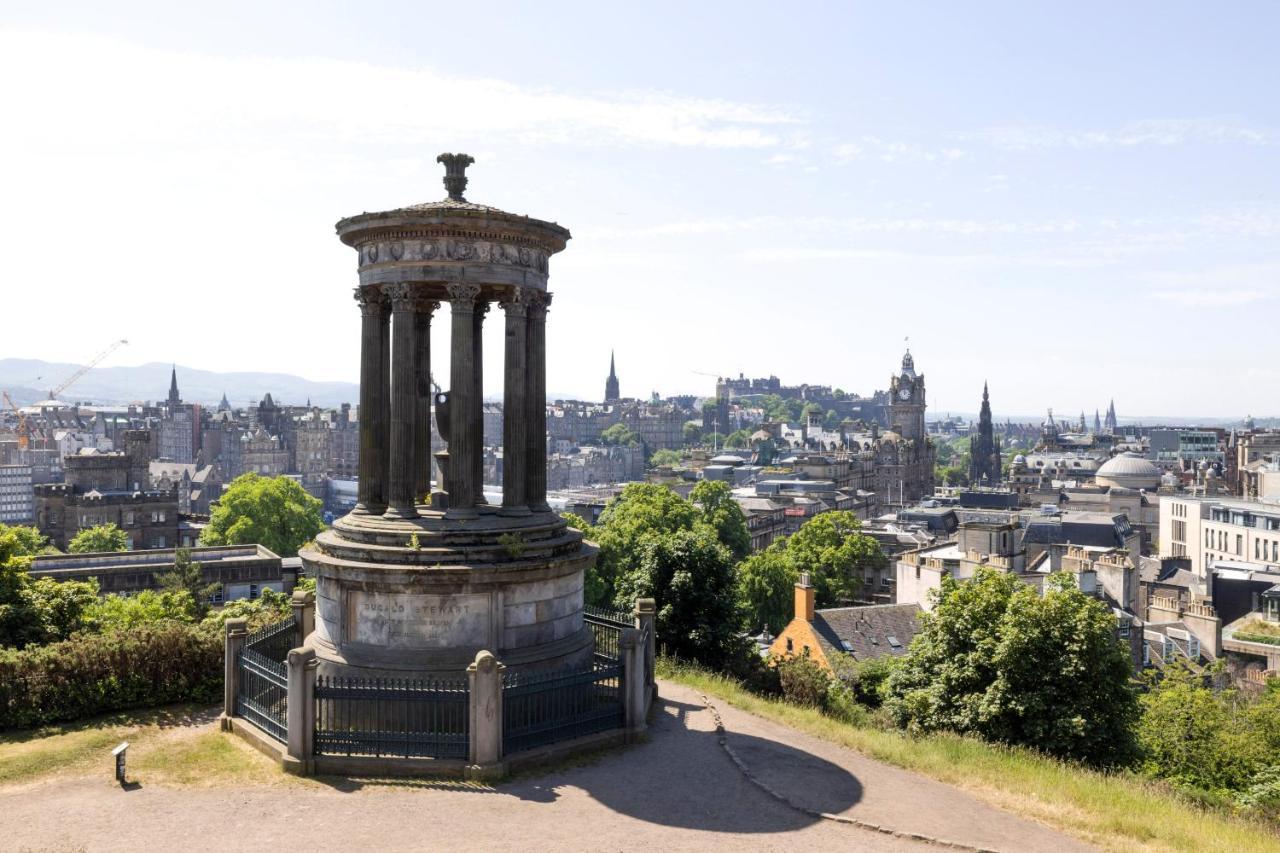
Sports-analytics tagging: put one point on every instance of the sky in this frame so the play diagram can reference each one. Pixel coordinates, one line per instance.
(1074, 202)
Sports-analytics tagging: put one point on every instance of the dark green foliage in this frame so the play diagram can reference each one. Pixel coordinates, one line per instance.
(274, 512)
(98, 673)
(804, 682)
(721, 511)
(670, 458)
(689, 574)
(186, 576)
(619, 435)
(738, 439)
(36, 611)
(25, 541)
(766, 588)
(997, 659)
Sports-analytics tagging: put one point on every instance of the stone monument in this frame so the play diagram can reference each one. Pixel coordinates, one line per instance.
(413, 582)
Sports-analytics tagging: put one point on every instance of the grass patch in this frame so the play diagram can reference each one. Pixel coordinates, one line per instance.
(1117, 811)
(31, 754)
(204, 758)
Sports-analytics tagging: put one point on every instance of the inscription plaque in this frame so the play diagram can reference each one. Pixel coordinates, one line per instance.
(415, 621)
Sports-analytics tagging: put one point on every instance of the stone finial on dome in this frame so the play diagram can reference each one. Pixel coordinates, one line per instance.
(455, 173)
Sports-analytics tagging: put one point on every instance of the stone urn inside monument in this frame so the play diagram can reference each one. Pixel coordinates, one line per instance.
(415, 581)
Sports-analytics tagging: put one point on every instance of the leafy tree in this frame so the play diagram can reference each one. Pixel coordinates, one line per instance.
(833, 550)
(766, 584)
(187, 576)
(33, 612)
(119, 612)
(715, 501)
(577, 522)
(955, 475)
(268, 608)
(831, 420)
(665, 457)
(274, 512)
(619, 435)
(61, 608)
(640, 511)
(28, 541)
(692, 432)
(1190, 735)
(689, 574)
(999, 660)
(101, 537)
(738, 439)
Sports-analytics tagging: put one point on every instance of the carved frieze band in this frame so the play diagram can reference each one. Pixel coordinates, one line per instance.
(478, 251)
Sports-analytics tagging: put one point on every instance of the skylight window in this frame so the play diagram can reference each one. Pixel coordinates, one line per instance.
(893, 641)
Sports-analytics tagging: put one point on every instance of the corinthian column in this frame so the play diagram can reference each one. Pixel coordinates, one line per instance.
(403, 396)
(477, 380)
(536, 402)
(422, 398)
(372, 495)
(515, 388)
(464, 445)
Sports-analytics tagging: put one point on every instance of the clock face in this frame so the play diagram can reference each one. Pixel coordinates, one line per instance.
(904, 392)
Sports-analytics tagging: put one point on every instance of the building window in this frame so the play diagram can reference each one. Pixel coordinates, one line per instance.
(253, 593)
(790, 645)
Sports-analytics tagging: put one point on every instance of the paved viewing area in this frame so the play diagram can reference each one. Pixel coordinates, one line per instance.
(680, 790)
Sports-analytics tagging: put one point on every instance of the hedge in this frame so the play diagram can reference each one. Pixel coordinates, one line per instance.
(93, 674)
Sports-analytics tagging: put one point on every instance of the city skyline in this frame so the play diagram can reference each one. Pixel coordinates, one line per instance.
(1045, 232)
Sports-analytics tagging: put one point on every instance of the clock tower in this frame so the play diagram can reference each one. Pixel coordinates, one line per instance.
(906, 401)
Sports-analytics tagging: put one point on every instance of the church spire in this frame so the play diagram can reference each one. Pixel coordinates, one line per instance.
(174, 399)
(611, 394)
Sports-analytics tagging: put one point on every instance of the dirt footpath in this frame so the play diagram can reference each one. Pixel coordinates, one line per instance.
(679, 791)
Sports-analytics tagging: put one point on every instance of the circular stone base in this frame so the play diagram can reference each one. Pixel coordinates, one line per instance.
(419, 598)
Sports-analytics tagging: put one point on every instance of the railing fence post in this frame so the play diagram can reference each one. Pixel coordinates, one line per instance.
(304, 614)
(633, 687)
(484, 677)
(236, 631)
(301, 705)
(646, 611)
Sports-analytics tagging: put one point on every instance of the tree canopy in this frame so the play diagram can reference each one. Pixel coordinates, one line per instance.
(101, 537)
(36, 611)
(619, 435)
(665, 457)
(715, 501)
(187, 577)
(274, 512)
(998, 659)
(738, 439)
(831, 547)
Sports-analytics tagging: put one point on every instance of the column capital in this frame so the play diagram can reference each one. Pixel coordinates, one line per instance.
(370, 299)
(426, 307)
(401, 295)
(463, 295)
(539, 303)
(515, 303)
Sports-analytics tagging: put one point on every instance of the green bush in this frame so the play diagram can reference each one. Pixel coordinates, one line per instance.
(804, 682)
(93, 674)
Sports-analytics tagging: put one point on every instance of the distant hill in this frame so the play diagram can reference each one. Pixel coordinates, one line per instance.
(29, 380)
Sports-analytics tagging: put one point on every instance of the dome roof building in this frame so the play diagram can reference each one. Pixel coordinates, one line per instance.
(1128, 471)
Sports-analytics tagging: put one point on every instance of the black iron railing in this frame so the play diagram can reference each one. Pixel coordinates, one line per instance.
(545, 709)
(392, 717)
(262, 692)
(606, 627)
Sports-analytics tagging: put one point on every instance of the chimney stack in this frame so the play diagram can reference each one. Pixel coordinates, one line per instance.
(805, 595)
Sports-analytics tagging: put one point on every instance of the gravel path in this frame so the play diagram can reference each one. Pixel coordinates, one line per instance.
(679, 791)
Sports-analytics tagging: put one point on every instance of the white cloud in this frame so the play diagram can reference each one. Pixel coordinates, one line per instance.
(97, 93)
(1157, 132)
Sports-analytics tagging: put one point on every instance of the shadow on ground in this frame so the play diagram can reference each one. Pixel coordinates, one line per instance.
(680, 777)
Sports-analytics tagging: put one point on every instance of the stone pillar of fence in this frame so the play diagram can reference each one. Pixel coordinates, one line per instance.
(301, 711)
(304, 614)
(635, 705)
(645, 613)
(236, 631)
(485, 753)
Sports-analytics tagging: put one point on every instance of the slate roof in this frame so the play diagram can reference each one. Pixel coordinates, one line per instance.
(869, 632)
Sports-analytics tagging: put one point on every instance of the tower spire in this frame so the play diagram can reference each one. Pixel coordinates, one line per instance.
(611, 393)
(174, 399)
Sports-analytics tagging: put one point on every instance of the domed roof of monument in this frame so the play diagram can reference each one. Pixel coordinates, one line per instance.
(478, 217)
(1129, 470)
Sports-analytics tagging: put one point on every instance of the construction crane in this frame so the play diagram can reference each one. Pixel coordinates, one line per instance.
(75, 377)
(24, 434)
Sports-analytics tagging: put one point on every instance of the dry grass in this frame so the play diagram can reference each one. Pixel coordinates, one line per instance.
(1113, 811)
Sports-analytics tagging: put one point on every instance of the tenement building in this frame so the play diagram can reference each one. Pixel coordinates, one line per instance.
(109, 488)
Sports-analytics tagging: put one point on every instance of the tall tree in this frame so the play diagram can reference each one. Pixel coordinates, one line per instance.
(997, 659)
(274, 512)
(641, 510)
(101, 537)
(766, 583)
(689, 574)
(187, 576)
(835, 552)
(715, 501)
